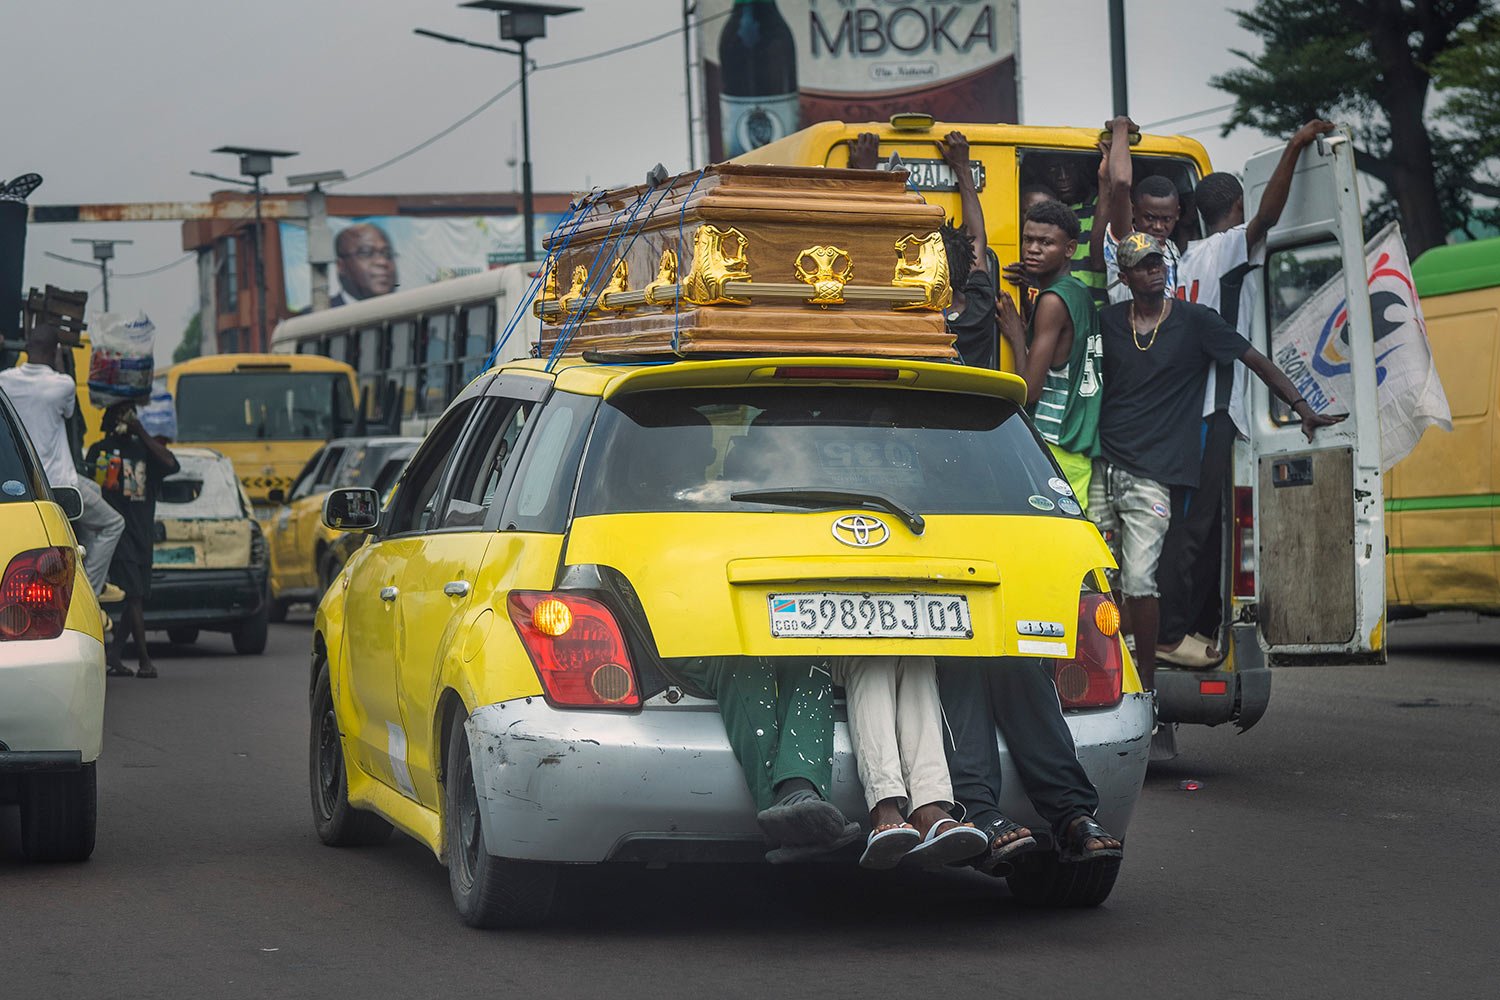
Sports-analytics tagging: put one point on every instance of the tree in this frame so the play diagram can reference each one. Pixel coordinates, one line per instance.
(1370, 63)
(192, 341)
(1469, 73)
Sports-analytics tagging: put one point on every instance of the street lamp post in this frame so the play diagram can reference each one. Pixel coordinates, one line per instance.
(255, 164)
(522, 23)
(104, 252)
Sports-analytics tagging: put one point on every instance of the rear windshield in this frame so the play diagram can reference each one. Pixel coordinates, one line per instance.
(15, 471)
(935, 452)
(263, 406)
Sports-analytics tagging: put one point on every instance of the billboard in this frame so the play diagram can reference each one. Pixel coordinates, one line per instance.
(772, 66)
(378, 254)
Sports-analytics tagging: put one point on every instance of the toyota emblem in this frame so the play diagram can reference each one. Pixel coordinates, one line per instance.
(861, 531)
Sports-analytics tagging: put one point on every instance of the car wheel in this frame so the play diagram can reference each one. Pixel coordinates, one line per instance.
(184, 636)
(338, 823)
(1043, 880)
(488, 891)
(276, 610)
(58, 812)
(250, 637)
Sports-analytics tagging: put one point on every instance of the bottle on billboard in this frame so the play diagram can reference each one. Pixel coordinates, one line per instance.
(758, 95)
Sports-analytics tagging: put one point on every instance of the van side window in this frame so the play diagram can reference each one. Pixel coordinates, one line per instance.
(416, 497)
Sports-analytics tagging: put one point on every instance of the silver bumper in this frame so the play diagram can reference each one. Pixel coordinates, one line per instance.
(52, 694)
(663, 784)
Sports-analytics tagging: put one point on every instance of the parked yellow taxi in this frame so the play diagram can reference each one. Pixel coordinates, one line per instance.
(51, 658)
(501, 671)
(304, 557)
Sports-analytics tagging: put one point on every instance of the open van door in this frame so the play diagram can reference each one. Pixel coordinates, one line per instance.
(1319, 511)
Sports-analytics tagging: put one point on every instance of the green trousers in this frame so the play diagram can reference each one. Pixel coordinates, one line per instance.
(778, 715)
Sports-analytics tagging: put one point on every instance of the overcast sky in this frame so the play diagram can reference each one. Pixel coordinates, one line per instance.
(117, 101)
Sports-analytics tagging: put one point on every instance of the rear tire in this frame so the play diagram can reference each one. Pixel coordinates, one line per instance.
(338, 823)
(1043, 880)
(250, 637)
(183, 636)
(488, 891)
(58, 813)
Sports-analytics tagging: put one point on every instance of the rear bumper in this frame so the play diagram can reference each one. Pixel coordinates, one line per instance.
(1213, 697)
(51, 699)
(663, 784)
(204, 598)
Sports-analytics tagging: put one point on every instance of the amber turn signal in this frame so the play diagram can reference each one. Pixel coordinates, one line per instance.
(1107, 617)
(552, 617)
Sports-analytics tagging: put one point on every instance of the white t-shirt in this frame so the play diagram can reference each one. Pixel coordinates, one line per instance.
(44, 400)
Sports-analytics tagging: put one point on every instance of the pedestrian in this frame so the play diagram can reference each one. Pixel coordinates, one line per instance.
(1157, 356)
(44, 398)
(129, 464)
(1058, 350)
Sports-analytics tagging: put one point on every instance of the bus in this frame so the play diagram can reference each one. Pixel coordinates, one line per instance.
(415, 350)
(267, 413)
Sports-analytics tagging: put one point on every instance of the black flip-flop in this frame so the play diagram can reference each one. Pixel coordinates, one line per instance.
(1079, 831)
(1000, 860)
(146, 673)
(802, 817)
(118, 670)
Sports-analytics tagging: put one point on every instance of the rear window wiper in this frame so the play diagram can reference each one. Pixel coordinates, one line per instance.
(812, 497)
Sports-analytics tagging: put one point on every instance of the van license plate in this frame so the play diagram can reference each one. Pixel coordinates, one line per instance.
(174, 555)
(840, 615)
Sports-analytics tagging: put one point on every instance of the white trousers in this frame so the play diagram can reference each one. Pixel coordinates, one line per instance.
(98, 530)
(896, 726)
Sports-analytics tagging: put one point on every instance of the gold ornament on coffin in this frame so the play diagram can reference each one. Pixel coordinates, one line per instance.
(826, 276)
(929, 272)
(573, 300)
(546, 303)
(714, 267)
(663, 291)
(619, 282)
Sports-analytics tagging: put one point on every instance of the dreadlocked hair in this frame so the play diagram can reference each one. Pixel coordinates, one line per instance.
(959, 246)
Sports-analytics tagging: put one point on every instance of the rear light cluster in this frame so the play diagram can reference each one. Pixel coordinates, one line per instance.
(578, 650)
(1244, 542)
(34, 593)
(1092, 678)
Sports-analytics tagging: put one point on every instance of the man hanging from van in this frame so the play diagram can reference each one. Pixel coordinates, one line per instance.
(1058, 351)
(1213, 272)
(44, 399)
(1158, 352)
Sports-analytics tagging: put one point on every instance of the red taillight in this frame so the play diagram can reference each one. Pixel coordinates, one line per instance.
(1244, 542)
(577, 648)
(1092, 678)
(838, 374)
(35, 592)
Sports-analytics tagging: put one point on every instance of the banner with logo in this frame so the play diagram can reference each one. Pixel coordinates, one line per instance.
(1312, 347)
(377, 255)
(770, 68)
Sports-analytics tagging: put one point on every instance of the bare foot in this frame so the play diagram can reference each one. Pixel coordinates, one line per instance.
(886, 816)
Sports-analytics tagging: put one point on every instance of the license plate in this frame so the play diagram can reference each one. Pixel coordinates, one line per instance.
(841, 615)
(936, 175)
(174, 555)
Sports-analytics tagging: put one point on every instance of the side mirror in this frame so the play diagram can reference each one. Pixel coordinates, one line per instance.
(70, 500)
(276, 496)
(354, 508)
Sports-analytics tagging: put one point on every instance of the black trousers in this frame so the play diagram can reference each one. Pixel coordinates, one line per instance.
(1016, 694)
(1188, 575)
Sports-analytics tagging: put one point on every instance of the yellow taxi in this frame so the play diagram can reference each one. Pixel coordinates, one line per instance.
(304, 553)
(51, 658)
(504, 671)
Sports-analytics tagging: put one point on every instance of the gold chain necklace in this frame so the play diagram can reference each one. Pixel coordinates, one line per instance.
(1136, 334)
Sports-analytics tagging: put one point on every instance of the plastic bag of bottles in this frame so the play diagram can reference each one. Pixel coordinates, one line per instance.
(159, 415)
(121, 364)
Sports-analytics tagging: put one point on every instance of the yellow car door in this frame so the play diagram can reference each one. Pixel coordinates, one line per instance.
(437, 585)
(381, 620)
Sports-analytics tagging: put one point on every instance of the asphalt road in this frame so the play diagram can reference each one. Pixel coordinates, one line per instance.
(1346, 847)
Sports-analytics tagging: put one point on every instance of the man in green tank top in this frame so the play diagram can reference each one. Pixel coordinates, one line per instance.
(1059, 352)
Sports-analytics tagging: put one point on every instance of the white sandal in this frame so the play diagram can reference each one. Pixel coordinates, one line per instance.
(957, 843)
(1193, 652)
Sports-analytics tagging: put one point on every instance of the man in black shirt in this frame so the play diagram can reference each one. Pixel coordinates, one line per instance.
(129, 465)
(1157, 355)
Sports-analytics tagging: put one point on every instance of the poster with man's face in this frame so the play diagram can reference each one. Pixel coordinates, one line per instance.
(379, 254)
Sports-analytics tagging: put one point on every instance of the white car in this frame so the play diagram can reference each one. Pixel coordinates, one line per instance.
(51, 658)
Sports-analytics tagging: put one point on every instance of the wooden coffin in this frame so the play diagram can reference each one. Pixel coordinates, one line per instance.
(751, 260)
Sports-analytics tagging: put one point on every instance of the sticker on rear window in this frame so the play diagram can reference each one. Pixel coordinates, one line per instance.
(13, 488)
(1069, 506)
(1040, 502)
(1060, 487)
